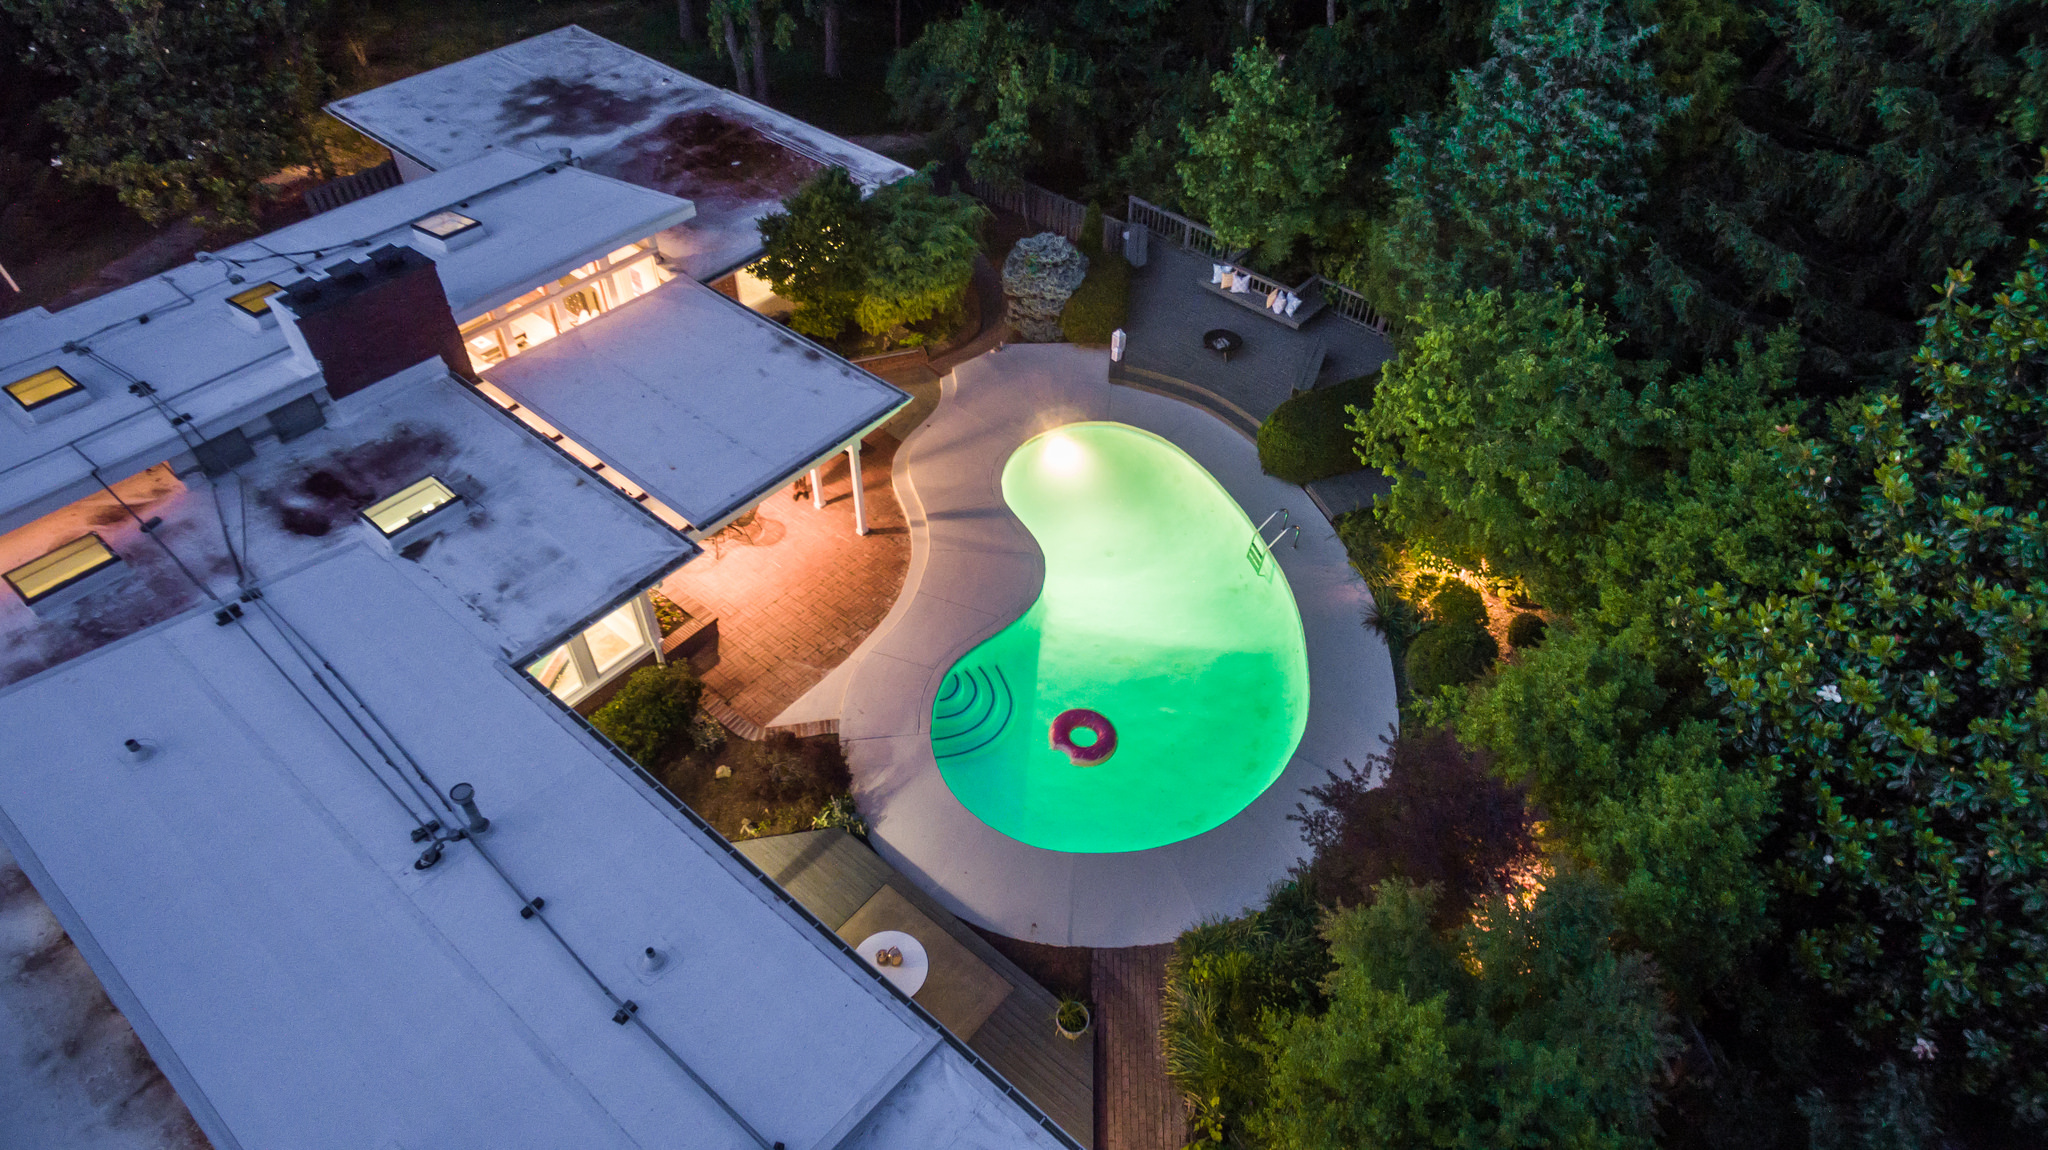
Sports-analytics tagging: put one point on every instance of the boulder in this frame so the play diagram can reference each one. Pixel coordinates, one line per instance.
(1041, 273)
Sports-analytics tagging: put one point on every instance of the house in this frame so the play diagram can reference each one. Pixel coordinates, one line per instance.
(309, 547)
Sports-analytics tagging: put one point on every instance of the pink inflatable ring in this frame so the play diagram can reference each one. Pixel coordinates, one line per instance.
(1095, 753)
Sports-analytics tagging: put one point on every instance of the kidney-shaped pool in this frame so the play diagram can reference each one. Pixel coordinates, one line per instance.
(1158, 684)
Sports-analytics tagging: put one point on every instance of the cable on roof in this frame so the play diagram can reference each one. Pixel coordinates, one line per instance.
(629, 1010)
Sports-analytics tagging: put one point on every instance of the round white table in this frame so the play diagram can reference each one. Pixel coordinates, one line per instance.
(907, 977)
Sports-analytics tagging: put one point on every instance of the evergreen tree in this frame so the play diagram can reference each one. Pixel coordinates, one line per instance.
(1898, 689)
(178, 106)
(1874, 144)
(1532, 178)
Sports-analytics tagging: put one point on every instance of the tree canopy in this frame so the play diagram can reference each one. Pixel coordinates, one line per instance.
(179, 107)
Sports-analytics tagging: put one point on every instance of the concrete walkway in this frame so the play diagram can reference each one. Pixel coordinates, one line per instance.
(974, 568)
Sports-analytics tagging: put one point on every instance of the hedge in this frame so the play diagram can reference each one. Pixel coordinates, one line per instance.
(1308, 438)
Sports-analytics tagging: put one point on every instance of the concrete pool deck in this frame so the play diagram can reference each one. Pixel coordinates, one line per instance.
(974, 568)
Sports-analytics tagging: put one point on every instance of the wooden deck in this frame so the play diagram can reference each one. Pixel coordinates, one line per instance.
(834, 875)
(1138, 1106)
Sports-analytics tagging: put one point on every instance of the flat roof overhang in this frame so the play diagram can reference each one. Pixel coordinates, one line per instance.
(704, 404)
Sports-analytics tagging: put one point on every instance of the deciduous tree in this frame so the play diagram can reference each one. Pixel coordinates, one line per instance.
(177, 106)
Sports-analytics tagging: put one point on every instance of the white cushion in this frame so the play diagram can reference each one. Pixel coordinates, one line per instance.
(1242, 285)
(1215, 273)
(1293, 302)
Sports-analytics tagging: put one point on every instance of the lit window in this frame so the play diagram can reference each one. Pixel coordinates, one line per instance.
(616, 638)
(557, 671)
(255, 300)
(445, 225)
(40, 578)
(408, 507)
(45, 386)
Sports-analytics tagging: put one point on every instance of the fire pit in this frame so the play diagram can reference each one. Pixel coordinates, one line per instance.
(1222, 341)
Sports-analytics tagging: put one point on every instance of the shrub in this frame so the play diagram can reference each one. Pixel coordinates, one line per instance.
(1459, 602)
(1526, 630)
(1101, 304)
(1374, 549)
(655, 705)
(1309, 437)
(1449, 655)
(1427, 810)
(1090, 242)
(839, 811)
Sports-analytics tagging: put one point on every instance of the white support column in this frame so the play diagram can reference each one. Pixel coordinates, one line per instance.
(650, 622)
(860, 499)
(817, 491)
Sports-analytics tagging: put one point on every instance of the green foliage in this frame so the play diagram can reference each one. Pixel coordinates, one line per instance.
(992, 89)
(655, 705)
(839, 811)
(1896, 685)
(1874, 147)
(1308, 437)
(1458, 602)
(1223, 978)
(1642, 799)
(1526, 630)
(1517, 434)
(1265, 171)
(921, 255)
(1091, 233)
(1373, 547)
(1102, 303)
(1530, 180)
(1448, 655)
(178, 107)
(1526, 1028)
(898, 257)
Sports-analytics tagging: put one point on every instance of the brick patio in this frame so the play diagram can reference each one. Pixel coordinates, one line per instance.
(793, 603)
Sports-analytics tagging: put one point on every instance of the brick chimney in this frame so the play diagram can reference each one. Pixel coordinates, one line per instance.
(372, 317)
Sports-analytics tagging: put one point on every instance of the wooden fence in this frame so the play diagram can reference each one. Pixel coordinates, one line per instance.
(348, 189)
(1192, 236)
(1044, 209)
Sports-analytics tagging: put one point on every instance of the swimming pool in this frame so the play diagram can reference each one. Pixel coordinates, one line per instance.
(1159, 613)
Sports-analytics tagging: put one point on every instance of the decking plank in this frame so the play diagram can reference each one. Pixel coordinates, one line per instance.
(834, 875)
(1139, 1108)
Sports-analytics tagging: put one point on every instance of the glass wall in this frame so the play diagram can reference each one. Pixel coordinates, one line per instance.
(600, 653)
(571, 301)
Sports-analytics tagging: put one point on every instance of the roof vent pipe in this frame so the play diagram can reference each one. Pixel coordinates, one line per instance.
(464, 796)
(652, 961)
(136, 751)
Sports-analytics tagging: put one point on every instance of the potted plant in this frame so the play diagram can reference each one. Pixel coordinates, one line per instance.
(1071, 1018)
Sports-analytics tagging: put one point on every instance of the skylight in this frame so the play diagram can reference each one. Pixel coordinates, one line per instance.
(254, 301)
(409, 506)
(445, 225)
(46, 386)
(40, 578)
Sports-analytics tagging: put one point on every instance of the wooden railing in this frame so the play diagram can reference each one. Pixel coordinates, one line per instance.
(1353, 306)
(348, 189)
(1192, 236)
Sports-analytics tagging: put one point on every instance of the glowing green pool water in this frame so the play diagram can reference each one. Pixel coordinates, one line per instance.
(1153, 614)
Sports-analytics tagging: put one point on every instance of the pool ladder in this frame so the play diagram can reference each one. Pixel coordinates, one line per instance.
(1261, 548)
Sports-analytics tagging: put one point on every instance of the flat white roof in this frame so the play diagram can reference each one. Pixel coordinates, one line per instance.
(537, 546)
(696, 399)
(177, 332)
(248, 895)
(623, 114)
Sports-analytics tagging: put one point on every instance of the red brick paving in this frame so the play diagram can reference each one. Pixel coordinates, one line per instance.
(795, 601)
